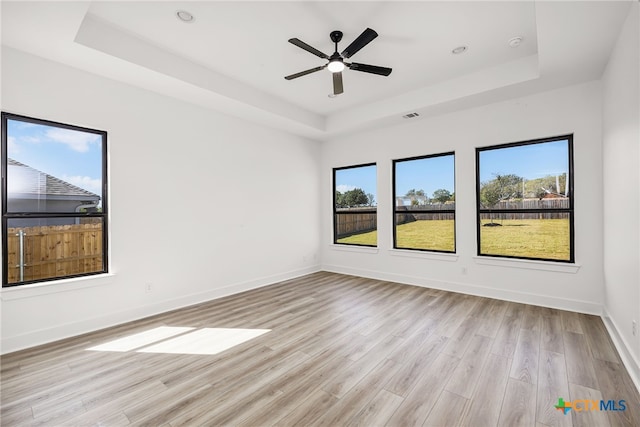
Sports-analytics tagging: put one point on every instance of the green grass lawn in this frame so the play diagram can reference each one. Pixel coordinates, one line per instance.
(532, 238)
(545, 238)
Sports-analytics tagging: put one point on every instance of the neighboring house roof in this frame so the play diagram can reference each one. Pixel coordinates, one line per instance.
(29, 181)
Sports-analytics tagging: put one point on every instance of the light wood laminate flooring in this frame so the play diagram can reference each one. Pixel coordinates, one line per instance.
(326, 350)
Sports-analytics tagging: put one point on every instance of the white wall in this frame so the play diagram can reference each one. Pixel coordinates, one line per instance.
(202, 204)
(575, 109)
(621, 160)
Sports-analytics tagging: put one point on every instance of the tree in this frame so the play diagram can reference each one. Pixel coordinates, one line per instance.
(371, 200)
(502, 187)
(441, 195)
(353, 198)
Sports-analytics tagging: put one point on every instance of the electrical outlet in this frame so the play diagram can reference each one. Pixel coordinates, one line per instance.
(634, 328)
(148, 287)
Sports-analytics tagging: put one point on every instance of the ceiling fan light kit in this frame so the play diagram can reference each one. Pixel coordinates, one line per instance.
(336, 62)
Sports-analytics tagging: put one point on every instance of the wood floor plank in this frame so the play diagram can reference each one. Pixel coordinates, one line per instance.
(579, 362)
(342, 350)
(378, 411)
(351, 375)
(464, 379)
(616, 385)
(519, 405)
(580, 415)
(447, 411)
(312, 408)
(506, 338)
(571, 322)
(525, 359)
(486, 403)
(411, 372)
(460, 339)
(598, 339)
(418, 404)
(551, 334)
(359, 396)
(552, 385)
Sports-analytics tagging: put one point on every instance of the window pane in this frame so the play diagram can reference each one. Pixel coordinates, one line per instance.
(526, 235)
(424, 203)
(520, 177)
(355, 218)
(53, 247)
(357, 228)
(52, 169)
(425, 181)
(425, 231)
(525, 200)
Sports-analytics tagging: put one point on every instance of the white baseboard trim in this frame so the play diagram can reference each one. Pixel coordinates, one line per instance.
(629, 360)
(477, 290)
(59, 332)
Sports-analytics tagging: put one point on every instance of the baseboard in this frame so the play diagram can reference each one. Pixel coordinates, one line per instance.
(58, 332)
(482, 291)
(629, 360)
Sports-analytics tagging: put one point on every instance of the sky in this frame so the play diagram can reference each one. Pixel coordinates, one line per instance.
(73, 156)
(429, 174)
(433, 173)
(526, 161)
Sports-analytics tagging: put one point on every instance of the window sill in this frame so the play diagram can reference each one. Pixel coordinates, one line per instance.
(55, 286)
(449, 257)
(354, 248)
(529, 264)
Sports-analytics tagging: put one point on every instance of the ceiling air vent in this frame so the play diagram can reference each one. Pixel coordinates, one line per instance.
(410, 115)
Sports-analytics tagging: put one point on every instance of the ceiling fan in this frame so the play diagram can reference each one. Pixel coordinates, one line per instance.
(336, 62)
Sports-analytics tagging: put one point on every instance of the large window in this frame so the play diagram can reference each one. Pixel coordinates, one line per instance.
(424, 203)
(525, 199)
(355, 205)
(54, 205)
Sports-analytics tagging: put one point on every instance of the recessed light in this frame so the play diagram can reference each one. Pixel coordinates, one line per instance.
(185, 16)
(459, 50)
(516, 41)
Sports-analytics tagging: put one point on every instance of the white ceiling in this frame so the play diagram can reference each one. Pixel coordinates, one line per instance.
(235, 55)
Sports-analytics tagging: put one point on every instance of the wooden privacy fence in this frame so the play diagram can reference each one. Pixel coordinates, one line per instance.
(557, 203)
(355, 220)
(351, 221)
(54, 251)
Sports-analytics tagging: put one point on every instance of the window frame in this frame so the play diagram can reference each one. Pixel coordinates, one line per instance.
(103, 215)
(423, 211)
(335, 207)
(570, 210)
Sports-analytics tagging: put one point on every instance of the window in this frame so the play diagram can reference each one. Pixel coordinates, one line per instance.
(424, 203)
(54, 204)
(525, 199)
(355, 205)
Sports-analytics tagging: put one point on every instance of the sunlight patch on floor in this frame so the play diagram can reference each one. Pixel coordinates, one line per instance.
(182, 340)
(142, 339)
(205, 341)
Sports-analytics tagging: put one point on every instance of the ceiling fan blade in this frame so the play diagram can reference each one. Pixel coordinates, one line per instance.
(362, 40)
(337, 83)
(305, 72)
(373, 69)
(308, 48)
